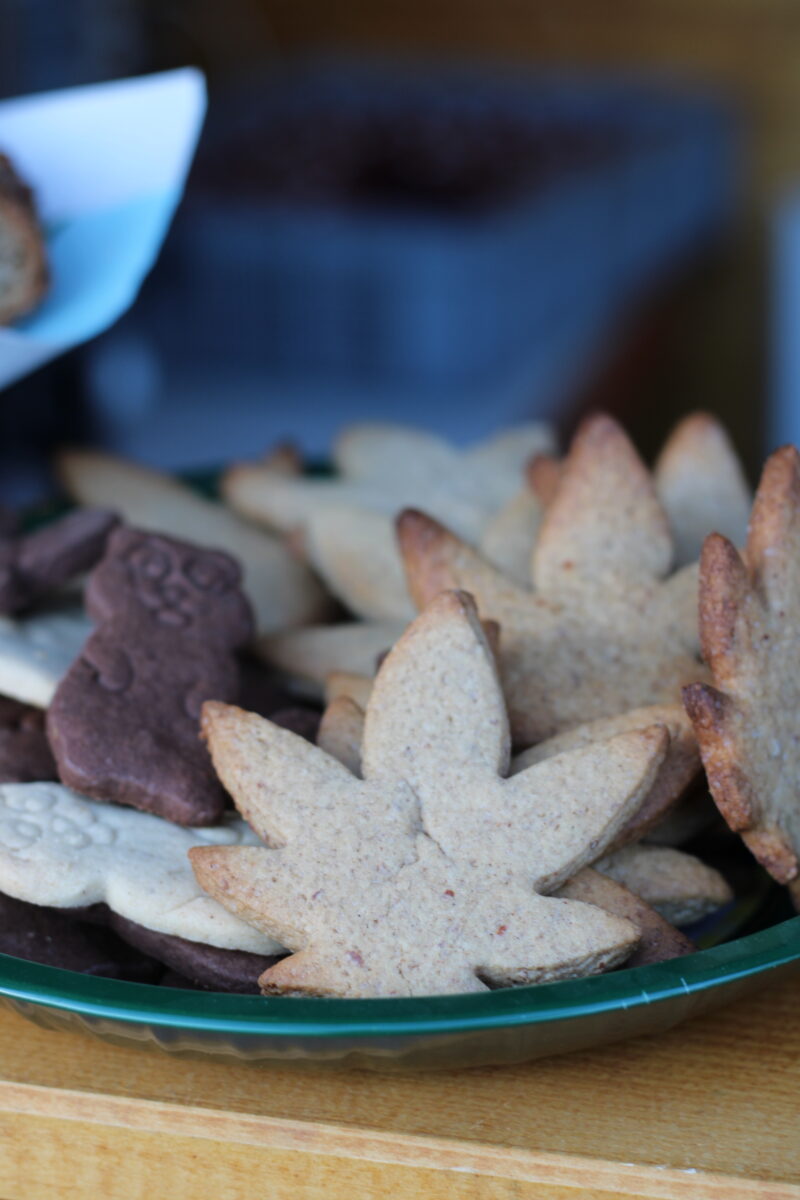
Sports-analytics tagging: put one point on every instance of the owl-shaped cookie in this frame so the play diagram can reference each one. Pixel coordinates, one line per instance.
(123, 723)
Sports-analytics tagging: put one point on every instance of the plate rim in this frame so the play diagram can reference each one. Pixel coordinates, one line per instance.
(284, 1017)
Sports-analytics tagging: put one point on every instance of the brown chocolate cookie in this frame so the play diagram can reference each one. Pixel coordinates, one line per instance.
(209, 967)
(36, 563)
(25, 754)
(56, 939)
(123, 723)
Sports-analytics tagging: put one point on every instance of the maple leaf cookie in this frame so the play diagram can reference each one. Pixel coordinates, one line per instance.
(605, 628)
(426, 875)
(748, 722)
(700, 482)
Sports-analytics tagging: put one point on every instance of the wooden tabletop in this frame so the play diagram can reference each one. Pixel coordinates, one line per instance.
(709, 1110)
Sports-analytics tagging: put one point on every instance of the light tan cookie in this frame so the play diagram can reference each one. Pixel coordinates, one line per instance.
(747, 723)
(345, 523)
(62, 850)
(355, 552)
(659, 941)
(348, 683)
(311, 655)
(702, 486)
(424, 877)
(680, 768)
(37, 651)
(341, 734)
(606, 629)
(677, 885)
(282, 590)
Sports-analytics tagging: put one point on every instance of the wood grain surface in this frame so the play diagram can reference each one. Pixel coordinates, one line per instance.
(709, 1110)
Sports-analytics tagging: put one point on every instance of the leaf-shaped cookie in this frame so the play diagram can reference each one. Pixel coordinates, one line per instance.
(347, 528)
(425, 876)
(681, 885)
(282, 591)
(747, 723)
(700, 482)
(605, 628)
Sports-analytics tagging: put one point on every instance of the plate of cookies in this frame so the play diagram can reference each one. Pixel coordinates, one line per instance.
(444, 757)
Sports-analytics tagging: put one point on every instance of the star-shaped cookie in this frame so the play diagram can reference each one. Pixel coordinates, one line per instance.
(606, 628)
(747, 723)
(426, 876)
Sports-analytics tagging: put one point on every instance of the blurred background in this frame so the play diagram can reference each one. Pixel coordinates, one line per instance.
(456, 212)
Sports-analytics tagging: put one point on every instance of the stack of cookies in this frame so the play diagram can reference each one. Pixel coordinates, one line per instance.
(435, 724)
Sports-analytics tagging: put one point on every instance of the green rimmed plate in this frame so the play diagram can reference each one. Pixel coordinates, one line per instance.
(437, 1032)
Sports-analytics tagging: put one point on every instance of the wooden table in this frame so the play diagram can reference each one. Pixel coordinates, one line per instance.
(710, 1110)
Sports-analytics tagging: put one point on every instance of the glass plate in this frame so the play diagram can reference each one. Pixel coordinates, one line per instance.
(441, 1031)
(498, 1027)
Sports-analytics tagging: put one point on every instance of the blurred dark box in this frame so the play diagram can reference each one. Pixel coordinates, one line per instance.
(393, 226)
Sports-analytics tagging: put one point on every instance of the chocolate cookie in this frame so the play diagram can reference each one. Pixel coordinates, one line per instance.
(48, 936)
(25, 754)
(36, 563)
(209, 967)
(123, 723)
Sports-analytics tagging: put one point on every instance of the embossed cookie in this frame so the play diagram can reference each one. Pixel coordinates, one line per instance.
(61, 850)
(606, 628)
(281, 589)
(426, 876)
(37, 651)
(747, 722)
(33, 565)
(123, 723)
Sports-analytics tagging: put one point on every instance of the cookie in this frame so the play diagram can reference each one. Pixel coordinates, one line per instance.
(426, 876)
(348, 683)
(677, 885)
(308, 656)
(702, 486)
(680, 768)
(659, 941)
(50, 937)
(213, 968)
(341, 734)
(34, 565)
(746, 723)
(37, 651)
(382, 467)
(25, 754)
(61, 850)
(123, 722)
(347, 522)
(281, 589)
(606, 629)
(24, 274)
